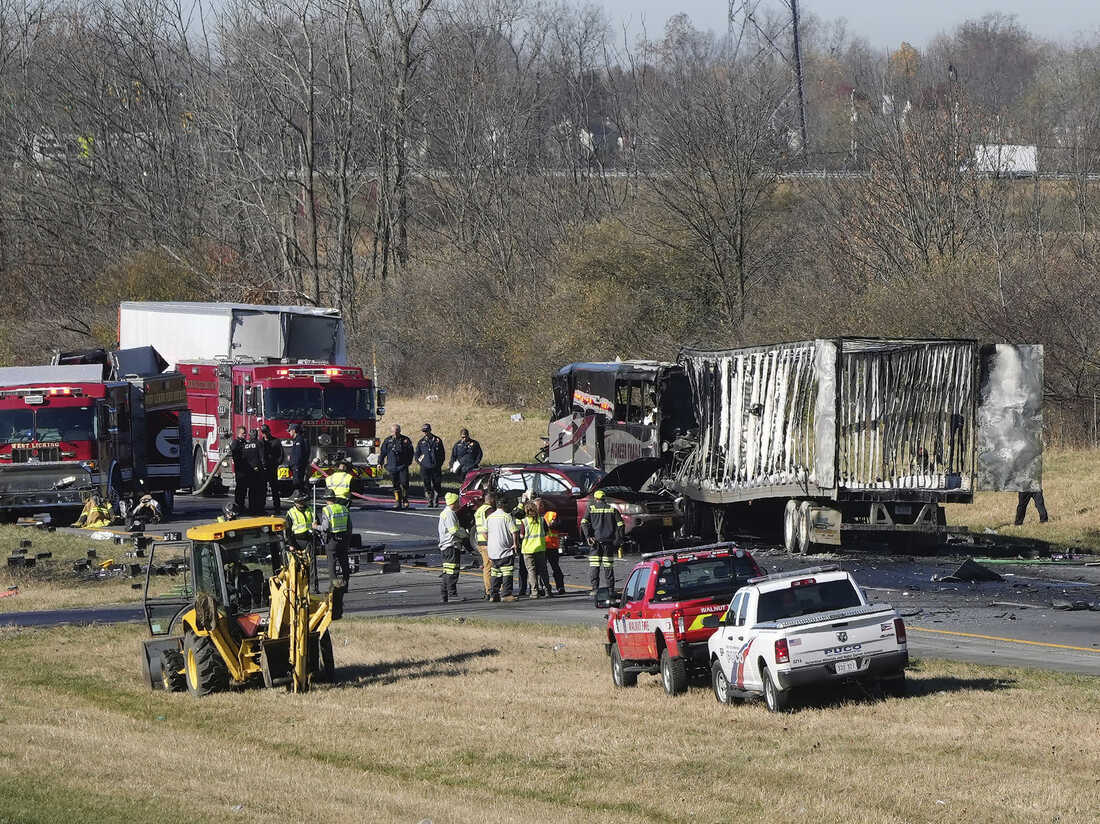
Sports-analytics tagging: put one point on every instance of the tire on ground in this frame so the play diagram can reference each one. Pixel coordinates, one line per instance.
(172, 676)
(326, 668)
(775, 698)
(205, 669)
(619, 676)
(720, 684)
(674, 675)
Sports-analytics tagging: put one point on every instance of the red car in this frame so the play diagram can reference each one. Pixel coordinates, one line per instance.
(650, 518)
(657, 626)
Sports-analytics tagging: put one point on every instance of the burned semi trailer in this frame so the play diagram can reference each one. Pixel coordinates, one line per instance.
(843, 438)
(608, 414)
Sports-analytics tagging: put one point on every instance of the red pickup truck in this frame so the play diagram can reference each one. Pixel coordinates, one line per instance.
(656, 626)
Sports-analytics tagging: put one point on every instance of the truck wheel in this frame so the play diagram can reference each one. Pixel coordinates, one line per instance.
(172, 677)
(619, 675)
(775, 698)
(722, 692)
(326, 671)
(206, 671)
(790, 526)
(894, 687)
(803, 544)
(674, 675)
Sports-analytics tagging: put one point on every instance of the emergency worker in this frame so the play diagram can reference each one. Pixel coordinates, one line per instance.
(452, 536)
(339, 482)
(241, 473)
(533, 550)
(229, 513)
(396, 454)
(481, 536)
(253, 451)
(466, 455)
(501, 532)
(147, 511)
(553, 548)
(95, 514)
(602, 526)
(299, 459)
(299, 533)
(335, 531)
(430, 454)
(273, 458)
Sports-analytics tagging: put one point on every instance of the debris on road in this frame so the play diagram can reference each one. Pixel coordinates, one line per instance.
(970, 571)
(1012, 604)
(10, 591)
(1070, 606)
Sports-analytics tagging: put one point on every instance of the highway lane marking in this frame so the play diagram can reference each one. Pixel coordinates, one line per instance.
(380, 532)
(1009, 640)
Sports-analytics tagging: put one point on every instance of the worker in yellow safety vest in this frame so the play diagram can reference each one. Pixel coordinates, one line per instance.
(553, 547)
(339, 482)
(533, 550)
(299, 534)
(335, 531)
(481, 535)
(95, 514)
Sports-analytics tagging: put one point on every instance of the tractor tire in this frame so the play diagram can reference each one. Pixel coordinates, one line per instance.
(723, 694)
(619, 675)
(326, 669)
(203, 664)
(172, 676)
(674, 675)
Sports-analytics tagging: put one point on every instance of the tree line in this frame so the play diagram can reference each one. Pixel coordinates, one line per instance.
(491, 188)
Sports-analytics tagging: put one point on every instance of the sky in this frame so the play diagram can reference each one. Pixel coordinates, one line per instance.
(884, 23)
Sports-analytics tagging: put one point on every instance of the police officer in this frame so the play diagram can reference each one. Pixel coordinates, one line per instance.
(602, 526)
(466, 454)
(430, 454)
(481, 536)
(339, 482)
(253, 452)
(299, 534)
(335, 531)
(242, 479)
(452, 535)
(273, 458)
(299, 459)
(396, 454)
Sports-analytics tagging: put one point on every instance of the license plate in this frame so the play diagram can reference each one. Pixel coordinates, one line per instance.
(283, 473)
(668, 521)
(845, 667)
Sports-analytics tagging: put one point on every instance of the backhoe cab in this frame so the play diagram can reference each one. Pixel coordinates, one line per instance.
(219, 617)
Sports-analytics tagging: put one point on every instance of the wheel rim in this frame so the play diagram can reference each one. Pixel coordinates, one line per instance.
(666, 676)
(721, 686)
(769, 692)
(617, 669)
(192, 670)
(788, 527)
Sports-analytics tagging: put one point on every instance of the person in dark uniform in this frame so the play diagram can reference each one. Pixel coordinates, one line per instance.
(335, 528)
(602, 526)
(1021, 506)
(299, 459)
(253, 451)
(242, 479)
(466, 455)
(396, 454)
(273, 459)
(430, 454)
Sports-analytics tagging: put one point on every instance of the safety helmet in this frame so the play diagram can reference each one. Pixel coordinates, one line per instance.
(450, 499)
(301, 499)
(346, 463)
(599, 496)
(330, 495)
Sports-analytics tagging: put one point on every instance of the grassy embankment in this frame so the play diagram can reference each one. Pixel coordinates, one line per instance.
(492, 722)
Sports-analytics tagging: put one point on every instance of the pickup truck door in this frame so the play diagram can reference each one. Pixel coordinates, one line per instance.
(747, 675)
(629, 619)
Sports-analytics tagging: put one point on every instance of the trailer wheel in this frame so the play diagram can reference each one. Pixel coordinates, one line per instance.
(205, 669)
(172, 676)
(802, 543)
(790, 526)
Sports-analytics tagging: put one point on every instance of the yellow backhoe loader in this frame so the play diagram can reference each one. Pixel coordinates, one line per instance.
(221, 617)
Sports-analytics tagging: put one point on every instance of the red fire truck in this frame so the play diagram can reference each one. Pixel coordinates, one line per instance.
(66, 432)
(249, 365)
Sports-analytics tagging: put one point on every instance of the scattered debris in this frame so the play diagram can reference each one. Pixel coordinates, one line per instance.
(102, 535)
(987, 531)
(431, 398)
(10, 591)
(970, 571)
(1012, 604)
(517, 417)
(1070, 606)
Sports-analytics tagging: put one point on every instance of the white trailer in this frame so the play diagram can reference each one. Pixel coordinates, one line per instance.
(185, 332)
(1005, 160)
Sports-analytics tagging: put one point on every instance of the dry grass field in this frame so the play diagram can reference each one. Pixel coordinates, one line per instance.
(469, 722)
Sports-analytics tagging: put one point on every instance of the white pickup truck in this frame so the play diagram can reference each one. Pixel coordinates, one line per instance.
(804, 627)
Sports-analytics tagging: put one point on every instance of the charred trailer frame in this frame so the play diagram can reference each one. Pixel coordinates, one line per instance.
(852, 436)
(609, 413)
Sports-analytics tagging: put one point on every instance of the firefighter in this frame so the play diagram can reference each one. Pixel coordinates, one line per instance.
(553, 548)
(533, 550)
(452, 536)
(299, 533)
(481, 536)
(501, 532)
(603, 528)
(229, 513)
(339, 482)
(430, 454)
(273, 458)
(241, 478)
(253, 452)
(396, 454)
(334, 529)
(466, 455)
(95, 514)
(147, 511)
(299, 459)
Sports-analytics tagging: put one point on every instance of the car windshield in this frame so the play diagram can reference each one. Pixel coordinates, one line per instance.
(317, 403)
(806, 599)
(715, 578)
(583, 477)
(65, 424)
(16, 426)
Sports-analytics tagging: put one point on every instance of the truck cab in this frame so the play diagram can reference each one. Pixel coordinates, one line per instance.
(658, 623)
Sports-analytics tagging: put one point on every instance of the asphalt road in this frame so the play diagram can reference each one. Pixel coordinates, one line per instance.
(1011, 622)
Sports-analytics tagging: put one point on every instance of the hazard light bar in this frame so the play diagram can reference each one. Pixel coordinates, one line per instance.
(794, 573)
(63, 391)
(330, 371)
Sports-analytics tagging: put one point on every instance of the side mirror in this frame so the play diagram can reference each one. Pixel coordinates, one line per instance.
(712, 621)
(251, 410)
(380, 402)
(605, 598)
(575, 491)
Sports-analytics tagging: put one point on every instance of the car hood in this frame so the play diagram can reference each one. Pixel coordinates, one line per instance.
(632, 474)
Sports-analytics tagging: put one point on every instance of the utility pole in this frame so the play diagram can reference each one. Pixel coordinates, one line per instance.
(798, 75)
